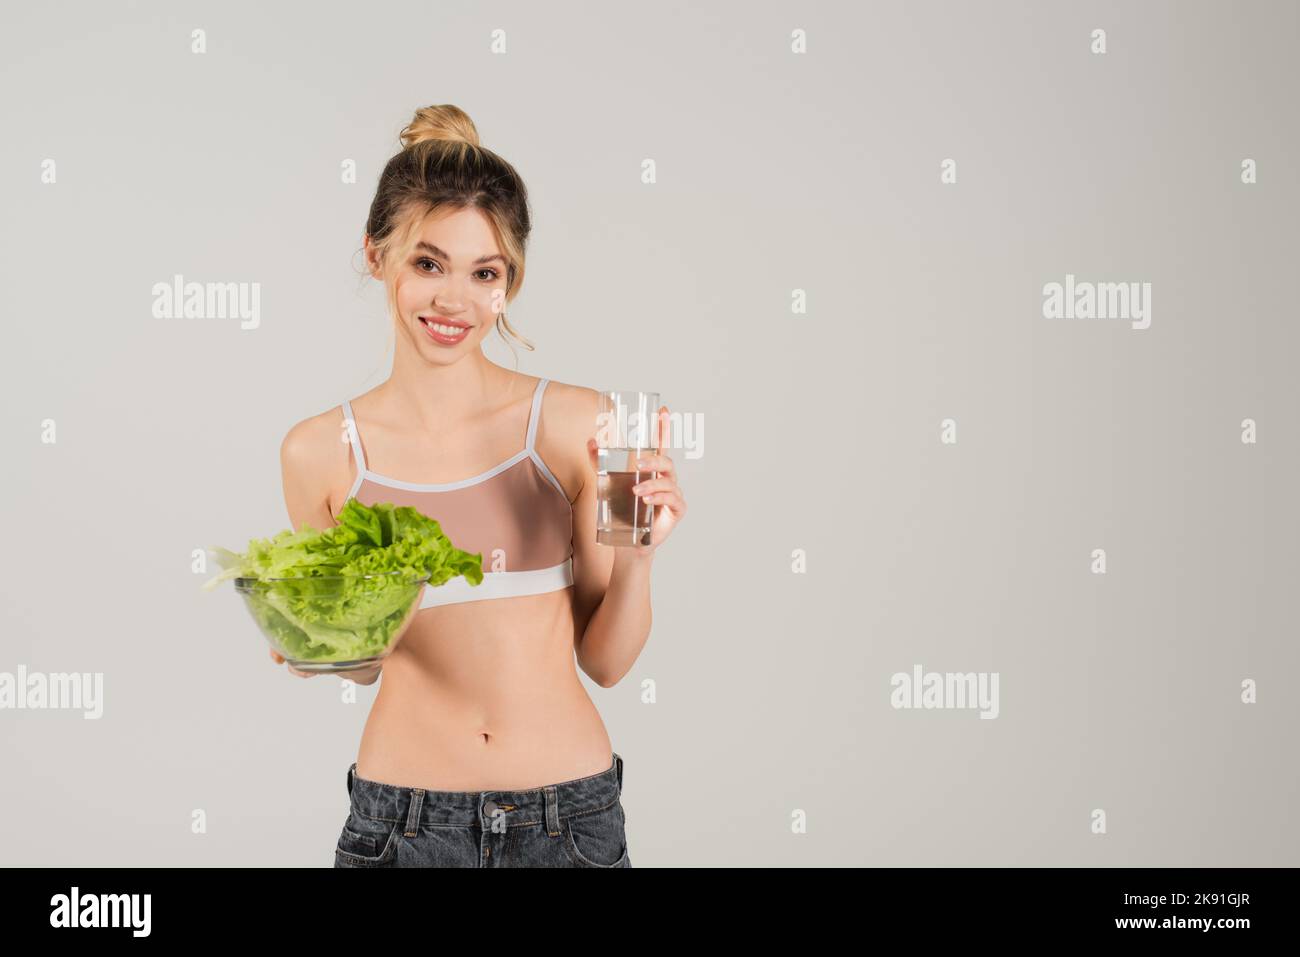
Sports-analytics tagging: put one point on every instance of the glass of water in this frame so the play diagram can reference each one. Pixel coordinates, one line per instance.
(627, 427)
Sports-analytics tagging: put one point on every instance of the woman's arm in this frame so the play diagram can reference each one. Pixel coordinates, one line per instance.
(618, 628)
(612, 601)
(309, 456)
(304, 472)
(611, 594)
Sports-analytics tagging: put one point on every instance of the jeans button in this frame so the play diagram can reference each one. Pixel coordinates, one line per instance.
(490, 808)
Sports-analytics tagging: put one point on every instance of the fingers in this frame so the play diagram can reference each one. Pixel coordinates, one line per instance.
(673, 501)
(655, 462)
(364, 676)
(653, 485)
(279, 660)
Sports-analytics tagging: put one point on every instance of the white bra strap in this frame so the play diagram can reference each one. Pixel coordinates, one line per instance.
(350, 423)
(535, 414)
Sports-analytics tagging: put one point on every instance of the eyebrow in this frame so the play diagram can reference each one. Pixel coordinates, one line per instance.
(442, 255)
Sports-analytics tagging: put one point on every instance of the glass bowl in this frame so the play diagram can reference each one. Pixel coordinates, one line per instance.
(328, 623)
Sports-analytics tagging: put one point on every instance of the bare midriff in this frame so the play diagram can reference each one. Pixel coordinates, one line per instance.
(485, 696)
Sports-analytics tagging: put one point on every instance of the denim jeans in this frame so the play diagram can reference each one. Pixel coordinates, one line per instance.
(578, 823)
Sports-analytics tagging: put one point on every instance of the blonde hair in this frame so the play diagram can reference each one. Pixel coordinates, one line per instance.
(441, 168)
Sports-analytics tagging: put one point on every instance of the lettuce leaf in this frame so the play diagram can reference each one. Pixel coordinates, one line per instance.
(311, 616)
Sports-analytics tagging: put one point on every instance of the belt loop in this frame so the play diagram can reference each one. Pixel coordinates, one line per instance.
(552, 810)
(413, 815)
(618, 762)
(351, 770)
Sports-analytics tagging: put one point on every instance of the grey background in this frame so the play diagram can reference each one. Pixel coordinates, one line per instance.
(776, 172)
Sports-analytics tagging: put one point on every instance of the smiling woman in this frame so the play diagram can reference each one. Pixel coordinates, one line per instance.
(483, 747)
(444, 173)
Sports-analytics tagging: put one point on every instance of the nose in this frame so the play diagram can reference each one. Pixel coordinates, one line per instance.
(448, 306)
(452, 294)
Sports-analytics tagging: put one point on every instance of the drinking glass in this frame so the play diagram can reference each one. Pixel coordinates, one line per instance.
(627, 427)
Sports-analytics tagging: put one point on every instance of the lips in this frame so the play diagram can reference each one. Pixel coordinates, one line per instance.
(444, 338)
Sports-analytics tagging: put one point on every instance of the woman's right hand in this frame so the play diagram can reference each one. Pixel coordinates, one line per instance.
(362, 676)
(279, 660)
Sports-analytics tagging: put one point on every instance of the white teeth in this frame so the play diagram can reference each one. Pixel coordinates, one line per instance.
(444, 330)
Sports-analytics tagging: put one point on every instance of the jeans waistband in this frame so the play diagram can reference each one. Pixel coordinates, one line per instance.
(419, 806)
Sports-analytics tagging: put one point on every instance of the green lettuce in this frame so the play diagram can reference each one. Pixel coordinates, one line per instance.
(316, 618)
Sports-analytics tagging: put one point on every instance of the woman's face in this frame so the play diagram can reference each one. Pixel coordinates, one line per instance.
(451, 286)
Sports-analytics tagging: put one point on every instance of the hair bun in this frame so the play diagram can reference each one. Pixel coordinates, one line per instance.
(445, 122)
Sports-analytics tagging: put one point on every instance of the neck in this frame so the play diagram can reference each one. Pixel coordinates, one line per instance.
(431, 395)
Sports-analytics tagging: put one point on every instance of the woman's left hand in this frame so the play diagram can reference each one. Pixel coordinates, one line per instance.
(662, 491)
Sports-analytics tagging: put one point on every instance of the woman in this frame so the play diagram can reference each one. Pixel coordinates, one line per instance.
(482, 748)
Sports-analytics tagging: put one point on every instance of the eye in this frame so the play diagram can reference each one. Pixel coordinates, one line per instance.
(492, 274)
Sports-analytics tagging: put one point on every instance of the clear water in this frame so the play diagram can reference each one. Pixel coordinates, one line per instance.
(622, 517)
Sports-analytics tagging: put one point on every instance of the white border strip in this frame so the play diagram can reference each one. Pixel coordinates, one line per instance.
(500, 585)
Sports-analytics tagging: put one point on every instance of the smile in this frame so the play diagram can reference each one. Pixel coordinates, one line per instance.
(444, 333)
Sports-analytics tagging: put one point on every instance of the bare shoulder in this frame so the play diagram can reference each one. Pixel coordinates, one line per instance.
(317, 441)
(568, 420)
(314, 460)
